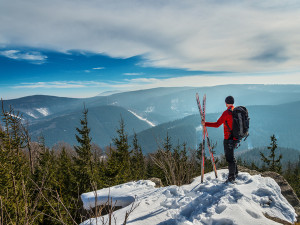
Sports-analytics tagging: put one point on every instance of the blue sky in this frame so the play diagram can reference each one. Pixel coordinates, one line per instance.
(83, 48)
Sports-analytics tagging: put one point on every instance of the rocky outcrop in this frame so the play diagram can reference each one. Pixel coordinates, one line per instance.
(286, 190)
(157, 182)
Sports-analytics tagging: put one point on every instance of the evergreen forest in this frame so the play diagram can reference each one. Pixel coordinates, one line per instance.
(42, 185)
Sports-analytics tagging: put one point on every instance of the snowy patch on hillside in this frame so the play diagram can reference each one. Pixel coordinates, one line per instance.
(141, 118)
(149, 109)
(212, 202)
(199, 128)
(32, 115)
(174, 104)
(43, 111)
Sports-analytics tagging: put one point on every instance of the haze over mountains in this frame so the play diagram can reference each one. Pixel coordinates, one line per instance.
(152, 113)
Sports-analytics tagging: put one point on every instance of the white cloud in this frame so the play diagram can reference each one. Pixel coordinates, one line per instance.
(30, 56)
(193, 34)
(133, 74)
(210, 80)
(99, 68)
(291, 77)
(60, 84)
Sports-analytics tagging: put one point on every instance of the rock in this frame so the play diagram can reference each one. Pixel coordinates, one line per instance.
(157, 182)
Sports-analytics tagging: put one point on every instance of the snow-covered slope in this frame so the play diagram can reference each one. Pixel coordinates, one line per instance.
(143, 119)
(212, 202)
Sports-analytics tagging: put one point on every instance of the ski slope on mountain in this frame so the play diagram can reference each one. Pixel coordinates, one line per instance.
(212, 202)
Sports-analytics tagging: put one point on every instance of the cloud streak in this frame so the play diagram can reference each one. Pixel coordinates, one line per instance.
(133, 74)
(192, 81)
(238, 36)
(60, 85)
(35, 57)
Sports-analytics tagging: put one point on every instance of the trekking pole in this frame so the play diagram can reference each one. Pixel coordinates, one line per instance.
(205, 134)
(208, 142)
(203, 139)
(211, 154)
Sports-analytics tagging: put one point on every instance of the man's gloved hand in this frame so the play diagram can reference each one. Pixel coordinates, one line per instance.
(203, 123)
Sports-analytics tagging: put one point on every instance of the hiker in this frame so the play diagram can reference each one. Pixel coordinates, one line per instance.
(229, 142)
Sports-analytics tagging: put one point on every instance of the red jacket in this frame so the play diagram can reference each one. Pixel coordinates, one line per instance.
(226, 116)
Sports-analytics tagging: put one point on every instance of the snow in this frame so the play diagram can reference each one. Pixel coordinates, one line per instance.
(117, 193)
(43, 111)
(141, 118)
(199, 128)
(32, 115)
(174, 104)
(12, 115)
(212, 202)
(150, 109)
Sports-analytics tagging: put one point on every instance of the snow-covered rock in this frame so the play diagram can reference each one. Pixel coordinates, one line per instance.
(212, 202)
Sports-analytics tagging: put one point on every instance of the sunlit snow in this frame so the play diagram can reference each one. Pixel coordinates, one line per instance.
(199, 128)
(212, 202)
(32, 115)
(43, 111)
(143, 119)
(174, 104)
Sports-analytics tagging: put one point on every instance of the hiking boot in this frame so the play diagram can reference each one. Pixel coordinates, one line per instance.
(230, 179)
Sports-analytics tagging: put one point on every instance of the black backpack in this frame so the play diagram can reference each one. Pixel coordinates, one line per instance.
(240, 123)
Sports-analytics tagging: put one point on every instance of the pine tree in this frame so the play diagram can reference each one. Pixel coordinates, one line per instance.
(272, 163)
(122, 154)
(45, 181)
(66, 185)
(85, 173)
(14, 170)
(296, 184)
(138, 168)
(65, 176)
(112, 168)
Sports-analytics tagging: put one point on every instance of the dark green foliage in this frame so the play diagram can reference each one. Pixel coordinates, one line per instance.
(14, 169)
(292, 175)
(83, 160)
(152, 170)
(46, 189)
(66, 179)
(253, 156)
(122, 153)
(137, 161)
(119, 161)
(112, 168)
(272, 163)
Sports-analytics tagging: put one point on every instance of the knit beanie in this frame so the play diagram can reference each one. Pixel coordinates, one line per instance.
(229, 100)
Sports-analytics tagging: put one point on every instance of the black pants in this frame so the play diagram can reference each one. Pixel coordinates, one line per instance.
(229, 146)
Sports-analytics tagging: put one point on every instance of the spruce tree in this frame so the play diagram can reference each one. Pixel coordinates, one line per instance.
(65, 175)
(45, 179)
(272, 163)
(112, 168)
(138, 168)
(83, 159)
(297, 178)
(122, 154)
(14, 170)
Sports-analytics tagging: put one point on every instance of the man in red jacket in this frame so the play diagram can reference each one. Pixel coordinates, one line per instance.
(229, 142)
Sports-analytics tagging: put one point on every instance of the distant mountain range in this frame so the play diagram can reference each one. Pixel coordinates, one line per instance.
(281, 120)
(155, 112)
